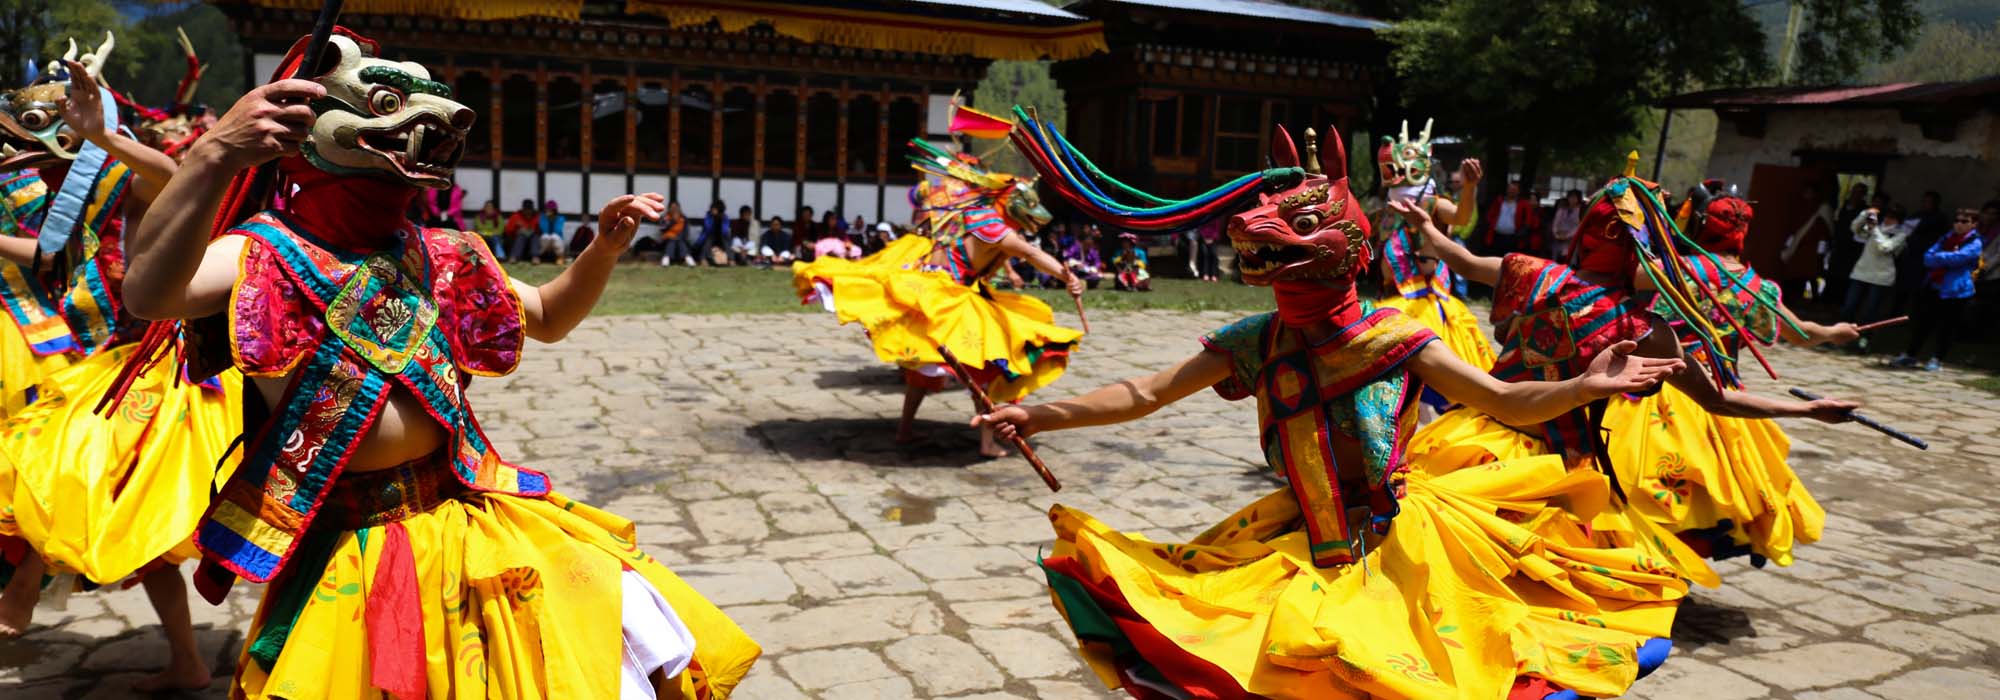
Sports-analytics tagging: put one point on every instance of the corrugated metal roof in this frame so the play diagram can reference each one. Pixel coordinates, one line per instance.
(1837, 97)
(1026, 7)
(1263, 9)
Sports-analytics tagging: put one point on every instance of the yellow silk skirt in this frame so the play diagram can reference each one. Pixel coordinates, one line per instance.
(1690, 470)
(1464, 438)
(910, 312)
(1478, 583)
(102, 496)
(20, 368)
(520, 598)
(1452, 321)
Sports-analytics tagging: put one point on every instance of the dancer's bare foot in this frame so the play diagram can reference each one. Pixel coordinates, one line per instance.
(988, 447)
(15, 618)
(907, 436)
(994, 452)
(181, 675)
(17, 602)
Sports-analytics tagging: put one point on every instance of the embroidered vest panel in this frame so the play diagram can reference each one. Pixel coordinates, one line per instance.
(1400, 252)
(24, 200)
(349, 329)
(1737, 294)
(1551, 324)
(1342, 401)
(94, 303)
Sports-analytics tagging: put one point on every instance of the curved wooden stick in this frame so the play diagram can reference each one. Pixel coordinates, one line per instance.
(985, 406)
(1079, 314)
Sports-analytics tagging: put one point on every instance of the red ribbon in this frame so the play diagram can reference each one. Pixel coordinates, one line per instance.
(395, 620)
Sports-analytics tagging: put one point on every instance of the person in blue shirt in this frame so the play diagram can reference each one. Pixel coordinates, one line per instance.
(1950, 265)
(549, 237)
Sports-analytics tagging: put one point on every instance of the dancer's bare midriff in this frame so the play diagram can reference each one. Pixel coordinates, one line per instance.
(404, 432)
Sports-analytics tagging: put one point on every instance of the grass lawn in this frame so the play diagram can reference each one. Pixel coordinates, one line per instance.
(645, 288)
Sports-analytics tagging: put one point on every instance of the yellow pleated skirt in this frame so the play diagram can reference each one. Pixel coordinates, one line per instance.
(1452, 321)
(1464, 438)
(1479, 586)
(520, 599)
(20, 368)
(909, 312)
(1724, 478)
(103, 496)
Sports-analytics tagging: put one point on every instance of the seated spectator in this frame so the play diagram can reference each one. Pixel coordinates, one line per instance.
(673, 232)
(1130, 264)
(520, 231)
(836, 246)
(1083, 259)
(743, 238)
(549, 234)
(490, 224)
(775, 246)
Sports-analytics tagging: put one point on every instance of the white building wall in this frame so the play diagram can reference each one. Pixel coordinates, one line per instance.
(781, 197)
(516, 185)
(1963, 170)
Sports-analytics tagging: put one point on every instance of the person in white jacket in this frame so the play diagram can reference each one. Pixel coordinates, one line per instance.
(1882, 234)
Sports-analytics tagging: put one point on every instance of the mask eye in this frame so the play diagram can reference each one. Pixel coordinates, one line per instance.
(1305, 222)
(385, 102)
(35, 120)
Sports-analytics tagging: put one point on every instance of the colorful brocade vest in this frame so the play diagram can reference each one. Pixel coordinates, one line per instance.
(349, 328)
(1342, 401)
(1399, 252)
(1551, 324)
(85, 315)
(1737, 294)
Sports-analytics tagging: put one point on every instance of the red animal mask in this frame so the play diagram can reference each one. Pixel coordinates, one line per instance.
(1309, 241)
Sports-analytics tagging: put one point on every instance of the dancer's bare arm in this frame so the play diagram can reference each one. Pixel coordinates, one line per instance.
(1113, 403)
(83, 111)
(17, 250)
(1691, 380)
(174, 271)
(552, 310)
(1459, 212)
(1478, 268)
(1617, 370)
(1815, 333)
(1016, 246)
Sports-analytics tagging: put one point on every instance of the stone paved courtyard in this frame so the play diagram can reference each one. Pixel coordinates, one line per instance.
(755, 453)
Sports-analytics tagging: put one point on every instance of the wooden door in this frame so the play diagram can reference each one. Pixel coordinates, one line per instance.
(1778, 194)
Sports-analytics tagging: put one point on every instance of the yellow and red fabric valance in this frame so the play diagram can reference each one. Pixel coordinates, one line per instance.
(447, 9)
(885, 31)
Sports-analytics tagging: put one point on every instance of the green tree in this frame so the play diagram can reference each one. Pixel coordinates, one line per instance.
(1024, 83)
(147, 63)
(1573, 79)
(1946, 51)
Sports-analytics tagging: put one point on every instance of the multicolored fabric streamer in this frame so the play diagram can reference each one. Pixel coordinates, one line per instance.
(1073, 176)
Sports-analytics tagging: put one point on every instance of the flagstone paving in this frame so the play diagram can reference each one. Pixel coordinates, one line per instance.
(755, 454)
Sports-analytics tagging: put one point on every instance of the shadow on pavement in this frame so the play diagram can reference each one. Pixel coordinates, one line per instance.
(870, 441)
(1700, 623)
(877, 378)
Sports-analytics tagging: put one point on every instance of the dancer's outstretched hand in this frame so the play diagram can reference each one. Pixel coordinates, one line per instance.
(83, 108)
(1829, 410)
(1843, 333)
(268, 122)
(1617, 371)
(1470, 171)
(1008, 422)
(619, 221)
(1412, 214)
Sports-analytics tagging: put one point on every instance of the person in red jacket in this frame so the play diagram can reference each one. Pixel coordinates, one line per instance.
(1512, 223)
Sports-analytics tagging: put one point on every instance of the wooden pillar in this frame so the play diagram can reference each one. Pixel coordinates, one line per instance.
(541, 132)
(757, 149)
(799, 145)
(497, 132)
(674, 134)
(715, 138)
(882, 149)
(585, 122)
(840, 151)
(631, 126)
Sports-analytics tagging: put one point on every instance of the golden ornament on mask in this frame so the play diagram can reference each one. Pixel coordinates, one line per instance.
(1316, 195)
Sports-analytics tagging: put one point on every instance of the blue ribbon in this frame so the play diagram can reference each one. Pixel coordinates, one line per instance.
(67, 207)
